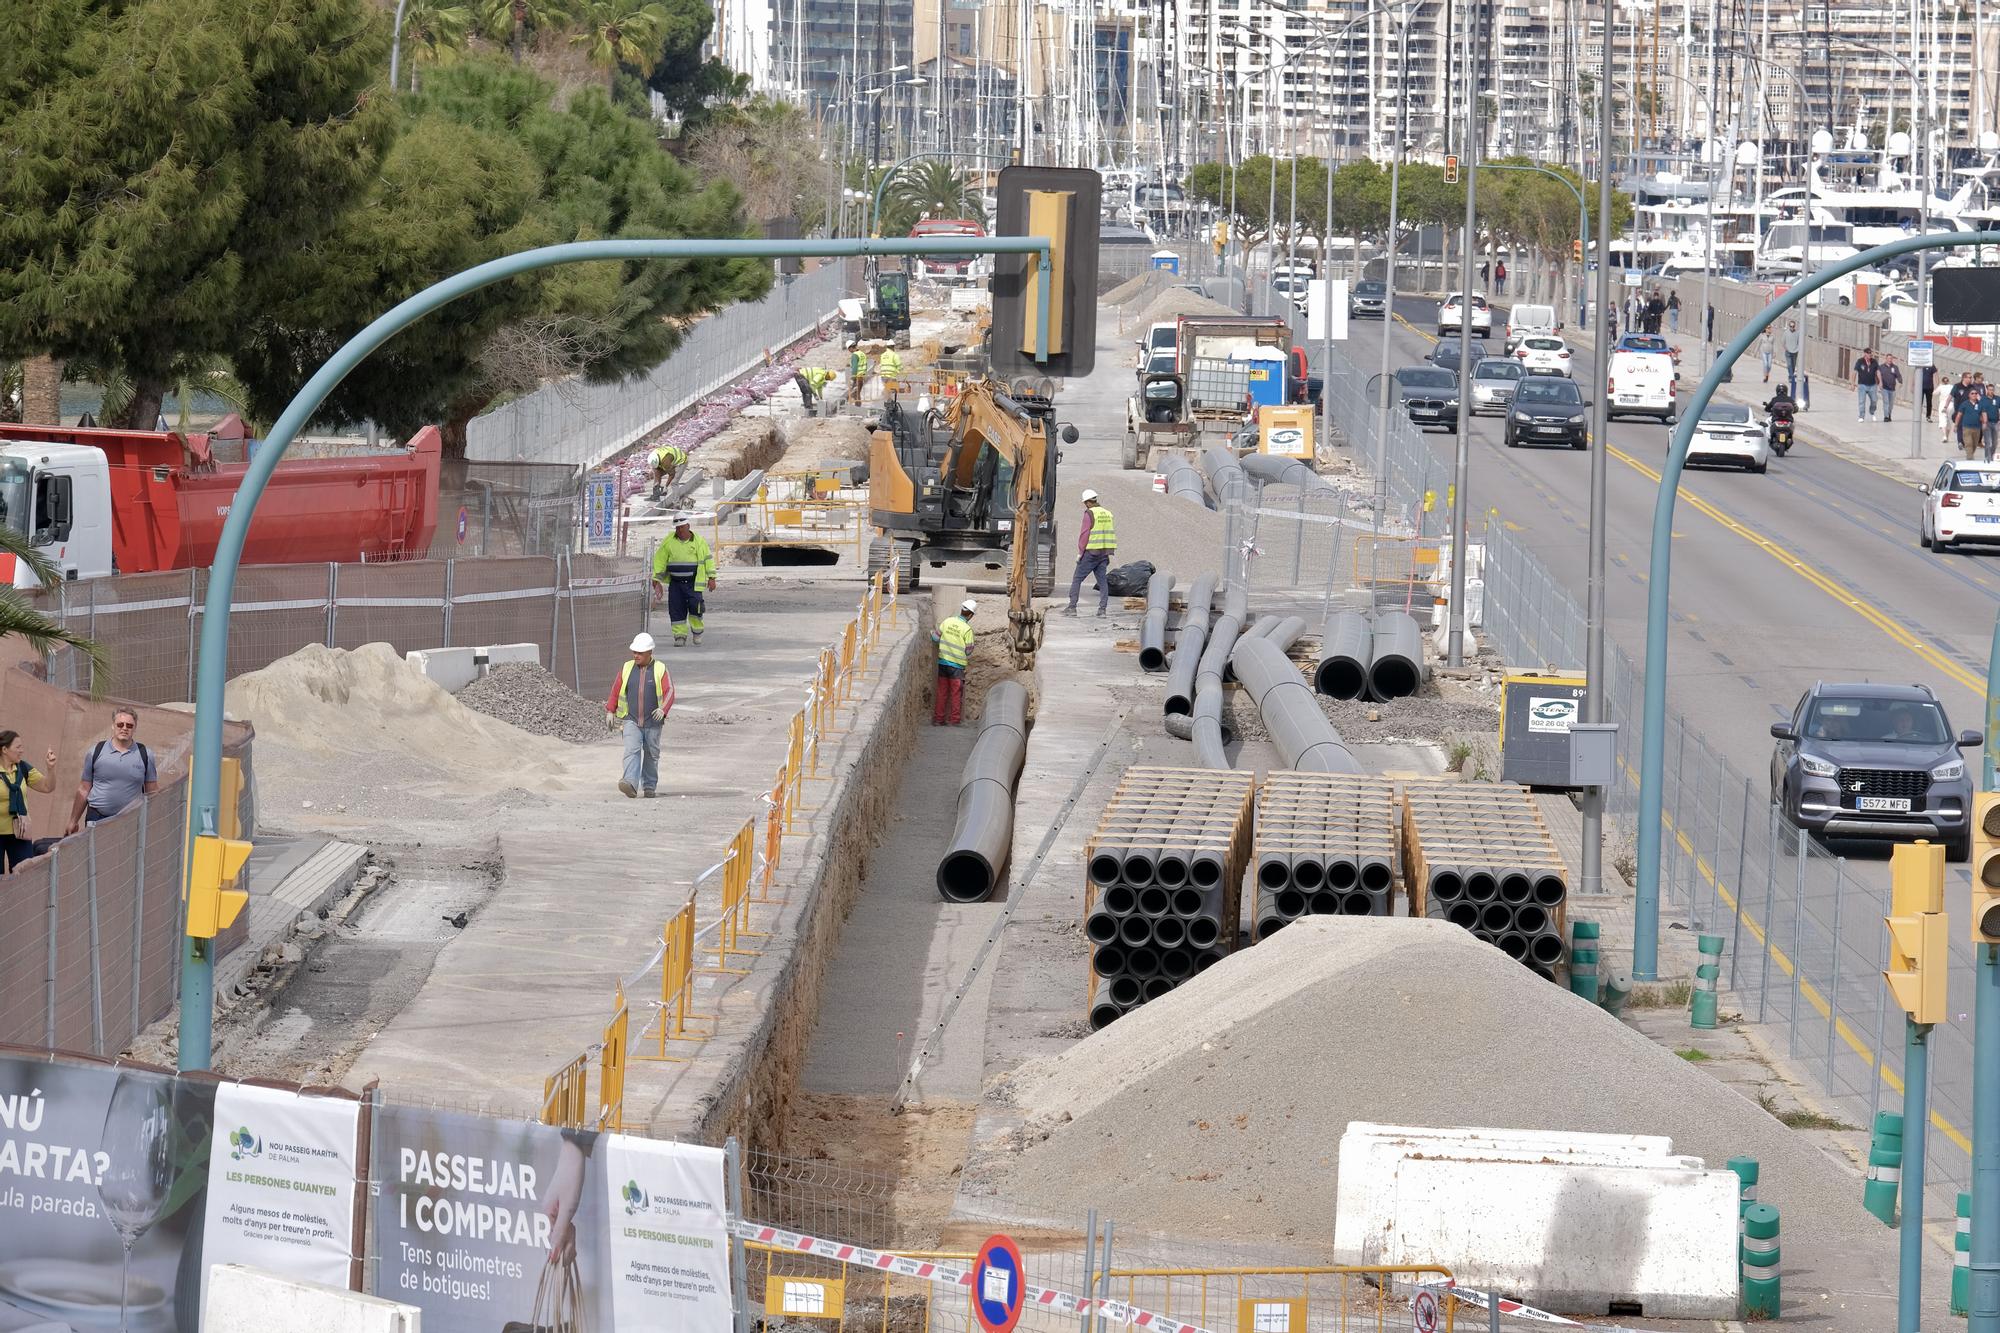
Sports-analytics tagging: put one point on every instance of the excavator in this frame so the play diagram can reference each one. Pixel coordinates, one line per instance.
(973, 482)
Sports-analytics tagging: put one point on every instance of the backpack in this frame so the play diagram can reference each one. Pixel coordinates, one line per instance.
(145, 760)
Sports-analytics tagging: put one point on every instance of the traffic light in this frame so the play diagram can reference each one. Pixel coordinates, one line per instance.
(1919, 954)
(1063, 204)
(1986, 867)
(1451, 168)
(1576, 250)
(214, 862)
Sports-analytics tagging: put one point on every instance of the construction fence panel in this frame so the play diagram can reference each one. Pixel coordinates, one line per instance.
(397, 603)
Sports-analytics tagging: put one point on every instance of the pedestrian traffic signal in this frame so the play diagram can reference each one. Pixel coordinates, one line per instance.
(1986, 867)
(211, 909)
(1451, 168)
(1063, 204)
(1576, 250)
(1919, 951)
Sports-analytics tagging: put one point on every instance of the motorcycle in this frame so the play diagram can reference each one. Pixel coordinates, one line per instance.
(1781, 435)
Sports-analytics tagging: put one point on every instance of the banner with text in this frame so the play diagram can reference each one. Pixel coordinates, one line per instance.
(669, 1236)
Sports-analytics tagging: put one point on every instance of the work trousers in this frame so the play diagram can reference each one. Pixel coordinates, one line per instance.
(1097, 565)
(642, 753)
(684, 606)
(948, 703)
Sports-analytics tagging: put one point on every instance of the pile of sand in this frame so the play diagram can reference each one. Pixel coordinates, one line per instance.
(1136, 288)
(370, 704)
(1177, 301)
(1216, 1111)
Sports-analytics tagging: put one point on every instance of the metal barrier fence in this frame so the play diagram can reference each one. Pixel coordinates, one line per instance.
(511, 509)
(578, 610)
(581, 424)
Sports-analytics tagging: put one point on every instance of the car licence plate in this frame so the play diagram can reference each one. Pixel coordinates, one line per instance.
(1986, 518)
(1628, 397)
(1888, 804)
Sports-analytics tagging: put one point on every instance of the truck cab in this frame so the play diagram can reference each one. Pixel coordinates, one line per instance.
(58, 496)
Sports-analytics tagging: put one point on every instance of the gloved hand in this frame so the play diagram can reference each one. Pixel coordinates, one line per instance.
(610, 720)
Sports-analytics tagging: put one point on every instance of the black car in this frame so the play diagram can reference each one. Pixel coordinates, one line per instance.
(1548, 409)
(1369, 298)
(1430, 395)
(1447, 352)
(1874, 761)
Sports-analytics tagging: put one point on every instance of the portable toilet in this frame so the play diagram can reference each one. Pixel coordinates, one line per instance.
(1267, 376)
(1167, 260)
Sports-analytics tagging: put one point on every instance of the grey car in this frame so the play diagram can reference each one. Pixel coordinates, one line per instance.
(1429, 396)
(1494, 380)
(1874, 761)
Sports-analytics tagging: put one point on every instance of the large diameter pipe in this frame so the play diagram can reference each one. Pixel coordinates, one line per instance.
(1153, 630)
(1188, 645)
(1286, 633)
(1346, 649)
(984, 832)
(1184, 482)
(1397, 668)
(1226, 478)
(1306, 741)
(1284, 472)
(1209, 675)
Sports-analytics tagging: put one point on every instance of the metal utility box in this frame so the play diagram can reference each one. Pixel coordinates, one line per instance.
(1537, 709)
(1593, 754)
(1286, 432)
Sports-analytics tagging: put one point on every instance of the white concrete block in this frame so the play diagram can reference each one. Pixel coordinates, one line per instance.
(1657, 1240)
(1369, 1153)
(500, 654)
(452, 668)
(250, 1300)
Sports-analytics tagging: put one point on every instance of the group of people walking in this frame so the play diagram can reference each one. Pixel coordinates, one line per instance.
(116, 772)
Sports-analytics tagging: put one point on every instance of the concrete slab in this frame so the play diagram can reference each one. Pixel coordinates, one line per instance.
(287, 877)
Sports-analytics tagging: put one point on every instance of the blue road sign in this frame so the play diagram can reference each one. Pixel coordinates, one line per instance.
(999, 1284)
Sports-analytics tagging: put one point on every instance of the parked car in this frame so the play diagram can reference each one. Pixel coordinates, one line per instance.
(1731, 433)
(1452, 318)
(1447, 353)
(1494, 379)
(1544, 355)
(1874, 761)
(1961, 507)
(1368, 298)
(1161, 337)
(1548, 409)
(1430, 395)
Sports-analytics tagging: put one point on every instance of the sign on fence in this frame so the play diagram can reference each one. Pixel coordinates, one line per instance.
(600, 509)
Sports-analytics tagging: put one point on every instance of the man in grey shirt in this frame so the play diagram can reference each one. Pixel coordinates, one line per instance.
(115, 773)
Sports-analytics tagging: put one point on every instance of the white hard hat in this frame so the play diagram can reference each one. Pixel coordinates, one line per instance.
(643, 643)
(683, 520)
(968, 606)
(1090, 495)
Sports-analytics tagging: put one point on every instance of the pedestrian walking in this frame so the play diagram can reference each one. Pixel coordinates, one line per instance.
(1889, 378)
(1656, 310)
(1500, 276)
(1953, 402)
(1968, 421)
(954, 653)
(641, 698)
(116, 772)
(1865, 381)
(1795, 343)
(1096, 541)
(668, 460)
(1926, 388)
(684, 570)
(18, 775)
(1766, 345)
(1710, 326)
(1674, 313)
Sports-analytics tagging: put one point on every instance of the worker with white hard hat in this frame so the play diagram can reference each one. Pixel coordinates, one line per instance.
(682, 565)
(954, 649)
(640, 699)
(1096, 543)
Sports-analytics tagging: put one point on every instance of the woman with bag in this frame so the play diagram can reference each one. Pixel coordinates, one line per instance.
(17, 775)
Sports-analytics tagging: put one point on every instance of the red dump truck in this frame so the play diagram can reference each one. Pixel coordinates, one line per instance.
(99, 502)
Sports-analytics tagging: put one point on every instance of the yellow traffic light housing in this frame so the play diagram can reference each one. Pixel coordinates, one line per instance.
(1576, 250)
(1985, 914)
(213, 862)
(1919, 957)
(1451, 168)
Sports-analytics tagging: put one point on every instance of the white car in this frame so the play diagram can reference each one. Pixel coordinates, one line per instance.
(1451, 315)
(1731, 433)
(1961, 506)
(1543, 355)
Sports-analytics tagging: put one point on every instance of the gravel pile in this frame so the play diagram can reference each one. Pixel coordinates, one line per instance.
(528, 696)
(1144, 284)
(1216, 1110)
(1178, 301)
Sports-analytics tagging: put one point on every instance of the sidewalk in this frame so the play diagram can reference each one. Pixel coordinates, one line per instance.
(1829, 424)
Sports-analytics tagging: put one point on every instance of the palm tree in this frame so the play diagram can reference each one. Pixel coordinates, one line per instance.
(42, 633)
(934, 190)
(619, 32)
(436, 31)
(511, 20)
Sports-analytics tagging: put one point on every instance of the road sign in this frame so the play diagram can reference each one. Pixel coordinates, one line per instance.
(1922, 353)
(600, 509)
(1632, 276)
(999, 1283)
(1425, 1309)
(461, 523)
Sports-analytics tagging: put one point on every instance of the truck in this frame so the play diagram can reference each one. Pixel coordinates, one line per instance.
(1220, 355)
(947, 268)
(99, 502)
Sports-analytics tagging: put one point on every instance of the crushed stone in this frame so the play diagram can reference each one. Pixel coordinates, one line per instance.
(1178, 301)
(529, 696)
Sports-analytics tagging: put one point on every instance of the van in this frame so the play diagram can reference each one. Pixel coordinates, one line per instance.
(1162, 337)
(1640, 384)
(1529, 321)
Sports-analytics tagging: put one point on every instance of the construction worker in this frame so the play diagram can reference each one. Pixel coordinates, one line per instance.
(857, 374)
(668, 460)
(640, 699)
(813, 381)
(1096, 543)
(681, 563)
(954, 650)
(890, 367)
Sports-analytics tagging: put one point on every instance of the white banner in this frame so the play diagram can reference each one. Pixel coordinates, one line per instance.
(281, 1179)
(669, 1235)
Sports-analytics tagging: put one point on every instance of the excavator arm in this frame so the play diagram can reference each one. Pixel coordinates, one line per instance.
(985, 416)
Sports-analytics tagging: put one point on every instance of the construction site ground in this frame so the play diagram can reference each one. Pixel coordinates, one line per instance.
(523, 887)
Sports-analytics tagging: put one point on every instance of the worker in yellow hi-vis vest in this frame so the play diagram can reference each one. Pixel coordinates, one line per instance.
(954, 647)
(682, 565)
(1096, 543)
(668, 460)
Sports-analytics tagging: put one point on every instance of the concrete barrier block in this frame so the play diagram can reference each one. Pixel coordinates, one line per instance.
(1652, 1240)
(250, 1300)
(451, 668)
(1369, 1153)
(500, 654)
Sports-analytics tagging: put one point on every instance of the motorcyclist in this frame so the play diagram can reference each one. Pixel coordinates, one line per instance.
(1782, 407)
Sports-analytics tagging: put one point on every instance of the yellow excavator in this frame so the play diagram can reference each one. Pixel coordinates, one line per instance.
(972, 482)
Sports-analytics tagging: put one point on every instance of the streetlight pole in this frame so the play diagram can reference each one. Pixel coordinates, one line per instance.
(1462, 468)
(1389, 274)
(1590, 861)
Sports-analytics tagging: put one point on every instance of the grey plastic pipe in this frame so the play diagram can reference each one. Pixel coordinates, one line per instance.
(1397, 668)
(1286, 633)
(1209, 675)
(1184, 483)
(984, 832)
(1284, 472)
(1188, 645)
(1306, 741)
(1225, 475)
(1153, 629)
(1346, 648)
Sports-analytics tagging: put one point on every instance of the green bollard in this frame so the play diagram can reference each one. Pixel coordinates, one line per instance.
(1703, 1000)
(1583, 959)
(1760, 1261)
(1614, 989)
(1885, 1167)
(1746, 1182)
(1961, 1258)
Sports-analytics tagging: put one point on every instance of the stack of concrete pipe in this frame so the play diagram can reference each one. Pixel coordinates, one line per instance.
(1188, 644)
(1325, 846)
(984, 832)
(1378, 657)
(1163, 889)
(1306, 741)
(1153, 629)
(1478, 854)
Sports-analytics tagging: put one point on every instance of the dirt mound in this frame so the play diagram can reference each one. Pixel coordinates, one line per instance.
(813, 441)
(1177, 301)
(1136, 288)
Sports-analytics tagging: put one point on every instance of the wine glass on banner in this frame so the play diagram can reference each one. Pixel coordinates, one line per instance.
(138, 1139)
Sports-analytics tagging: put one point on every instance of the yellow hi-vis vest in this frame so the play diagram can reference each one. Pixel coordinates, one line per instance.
(1103, 537)
(690, 559)
(954, 643)
(669, 456)
(625, 680)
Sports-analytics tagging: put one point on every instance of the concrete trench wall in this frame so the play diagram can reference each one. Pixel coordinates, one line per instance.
(751, 1069)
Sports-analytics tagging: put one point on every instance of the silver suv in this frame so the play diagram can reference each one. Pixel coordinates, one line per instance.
(1874, 761)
